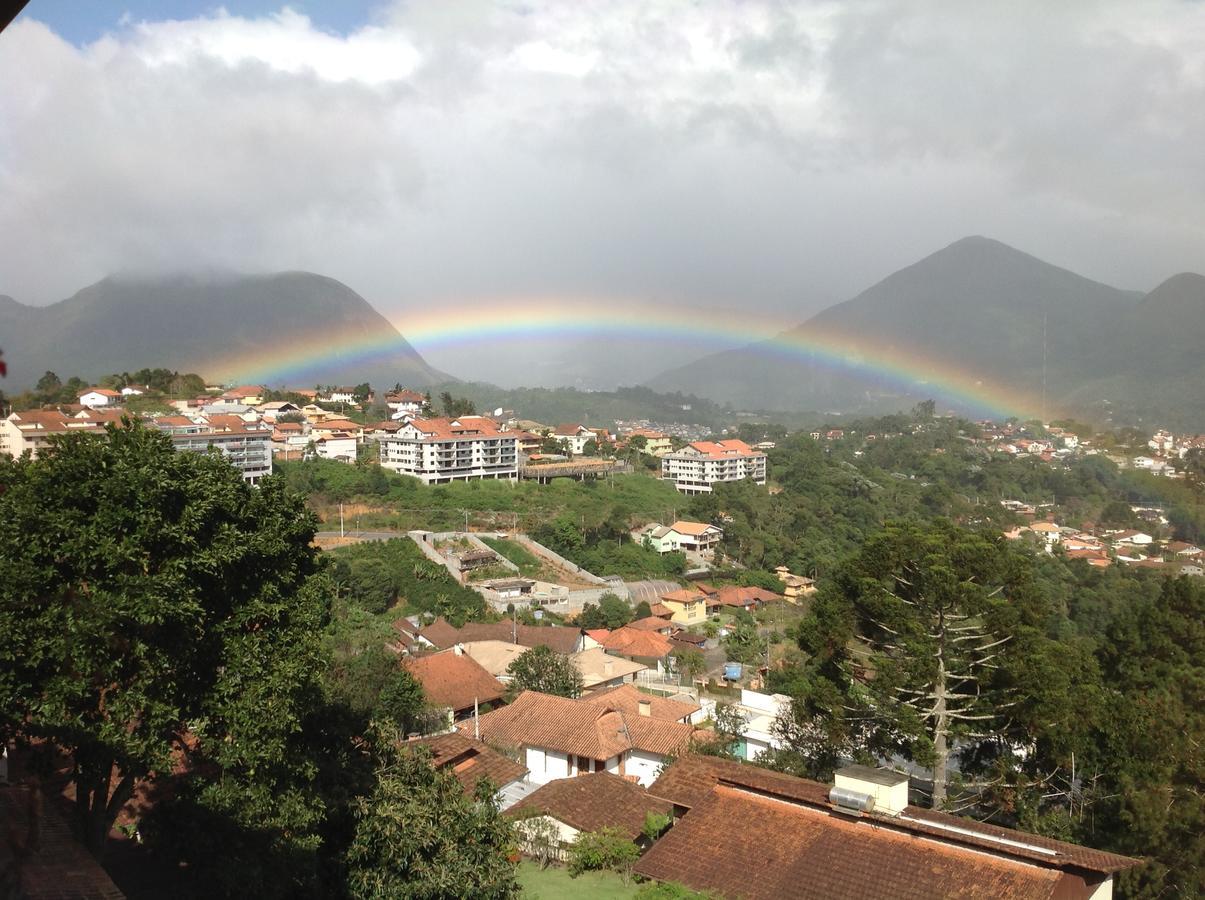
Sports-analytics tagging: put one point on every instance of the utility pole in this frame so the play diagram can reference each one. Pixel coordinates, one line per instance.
(340, 520)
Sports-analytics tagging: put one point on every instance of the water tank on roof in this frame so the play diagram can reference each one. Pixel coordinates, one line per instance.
(732, 671)
(854, 801)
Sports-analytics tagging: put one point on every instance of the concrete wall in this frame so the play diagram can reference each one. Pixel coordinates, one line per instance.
(426, 543)
(555, 558)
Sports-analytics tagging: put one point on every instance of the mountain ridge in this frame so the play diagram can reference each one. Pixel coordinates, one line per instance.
(208, 321)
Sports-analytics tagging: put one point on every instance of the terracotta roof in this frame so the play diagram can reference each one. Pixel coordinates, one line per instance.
(470, 760)
(649, 623)
(627, 698)
(693, 528)
(405, 396)
(454, 679)
(560, 638)
(806, 852)
(599, 634)
(634, 642)
(683, 595)
(661, 610)
(595, 662)
(53, 865)
(450, 429)
(572, 428)
(746, 596)
(594, 801)
(578, 726)
(730, 449)
(692, 781)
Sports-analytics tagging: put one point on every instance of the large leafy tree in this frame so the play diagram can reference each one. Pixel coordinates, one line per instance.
(543, 669)
(418, 836)
(924, 644)
(157, 610)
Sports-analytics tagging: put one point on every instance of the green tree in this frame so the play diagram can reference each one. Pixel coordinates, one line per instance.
(49, 385)
(153, 604)
(928, 636)
(402, 702)
(418, 836)
(744, 644)
(689, 661)
(543, 669)
(607, 848)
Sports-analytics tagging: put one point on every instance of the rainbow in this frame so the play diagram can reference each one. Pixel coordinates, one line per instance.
(492, 325)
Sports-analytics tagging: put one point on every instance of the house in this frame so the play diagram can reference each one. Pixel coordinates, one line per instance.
(1049, 532)
(495, 656)
(688, 605)
(647, 647)
(404, 403)
(244, 395)
(857, 837)
(654, 623)
(655, 442)
(338, 446)
(274, 409)
(96, 396)
(1095, 558)
(759, 712)
(558, 737)
(696, 467)
(589, 803)
(746, 598)
(339, 395)
(629, 700)
(1183, 548)
(1130, 537)
(135, 390)
(575, 436)
(600, 669)
(682, 535)
(560, 638)
(795, 587)
(471, 762)
(454, 681)
(438, 451)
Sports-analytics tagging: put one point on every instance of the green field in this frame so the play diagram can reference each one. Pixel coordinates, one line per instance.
(554, 883)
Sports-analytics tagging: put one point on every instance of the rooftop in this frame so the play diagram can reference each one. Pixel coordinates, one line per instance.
(454, 679)
(594, 801)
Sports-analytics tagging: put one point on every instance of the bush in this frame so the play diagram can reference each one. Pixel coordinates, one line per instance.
(607, 848)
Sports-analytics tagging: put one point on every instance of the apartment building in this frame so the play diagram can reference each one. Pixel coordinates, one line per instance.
(246, 447)
(443, 450)
(32, 429)
(696, 467)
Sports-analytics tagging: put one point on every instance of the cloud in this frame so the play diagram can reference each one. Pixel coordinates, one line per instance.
(777, 155)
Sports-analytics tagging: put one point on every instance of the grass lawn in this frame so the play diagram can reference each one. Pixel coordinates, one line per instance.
(553, 883)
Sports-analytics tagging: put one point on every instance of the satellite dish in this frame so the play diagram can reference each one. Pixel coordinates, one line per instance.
(498, 411)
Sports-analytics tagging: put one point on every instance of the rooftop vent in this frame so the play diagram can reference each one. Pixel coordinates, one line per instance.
(888, 789)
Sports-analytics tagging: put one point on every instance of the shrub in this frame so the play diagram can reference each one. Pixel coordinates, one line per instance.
(607, 848)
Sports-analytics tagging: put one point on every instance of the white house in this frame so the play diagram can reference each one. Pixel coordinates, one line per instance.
(682, 535)
(97, 397)
(340, 446)
(340, 395)
(576, 436)
(404, 403)
(559, 738)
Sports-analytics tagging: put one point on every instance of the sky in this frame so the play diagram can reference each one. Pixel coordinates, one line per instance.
(773, 157)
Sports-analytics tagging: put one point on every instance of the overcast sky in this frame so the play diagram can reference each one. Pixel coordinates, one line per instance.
(778, 156)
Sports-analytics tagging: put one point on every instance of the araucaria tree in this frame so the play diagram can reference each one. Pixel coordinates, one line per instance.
(543, 669)
(922, 645)
(155, 608)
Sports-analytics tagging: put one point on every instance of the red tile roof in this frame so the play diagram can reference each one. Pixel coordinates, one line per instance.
(454, 680)
(580, 727)
(718, 792)
(560, 638)
(746, 596)
(628, 641)
(627, 699)
(470, 761)
(594, 801)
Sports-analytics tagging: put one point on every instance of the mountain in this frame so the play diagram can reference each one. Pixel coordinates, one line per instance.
(290, 328)
(977, 319)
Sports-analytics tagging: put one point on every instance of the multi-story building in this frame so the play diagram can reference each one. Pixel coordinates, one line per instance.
(32, 429)
(443, 450)
(247, 447)
(696, 467)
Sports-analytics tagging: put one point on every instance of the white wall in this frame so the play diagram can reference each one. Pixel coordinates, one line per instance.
(546, 765)
(644, 766)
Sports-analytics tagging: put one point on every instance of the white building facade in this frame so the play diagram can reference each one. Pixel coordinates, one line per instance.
(442, 450)
(698, 466)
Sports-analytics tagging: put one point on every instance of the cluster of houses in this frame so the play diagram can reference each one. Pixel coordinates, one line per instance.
(1102, 547)
(617, 757)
